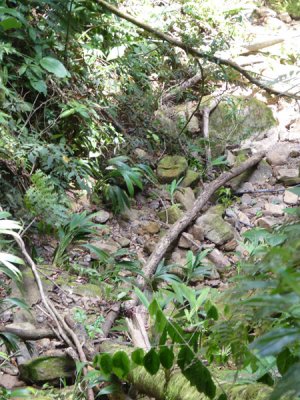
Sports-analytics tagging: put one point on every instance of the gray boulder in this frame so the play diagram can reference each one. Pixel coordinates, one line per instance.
(214, 227)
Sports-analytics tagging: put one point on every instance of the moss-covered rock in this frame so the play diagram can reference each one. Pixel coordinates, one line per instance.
(67, 393)
(47, 369)
(88, 290)
(191, 179)
(170, 168)
(171, 214)
(237, 118)
(214, 227)
(171, 119)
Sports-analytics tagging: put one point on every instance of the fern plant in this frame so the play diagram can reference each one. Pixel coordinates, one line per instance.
(44, 202)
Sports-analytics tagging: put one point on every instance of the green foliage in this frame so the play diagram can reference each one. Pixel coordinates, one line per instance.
(79, 228)
(265, 301)
(118, 364)
(9, 262)
(110, 266)
(225, 196)
(43, 201)
(92, 328)
(195, 265)
(173, 187)
(290, 6)
(120, 180)
(9, 267)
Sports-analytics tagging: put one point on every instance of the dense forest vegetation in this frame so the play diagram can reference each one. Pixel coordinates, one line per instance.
(149, 199)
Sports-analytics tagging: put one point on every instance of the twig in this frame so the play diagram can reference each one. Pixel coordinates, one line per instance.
(258, 191)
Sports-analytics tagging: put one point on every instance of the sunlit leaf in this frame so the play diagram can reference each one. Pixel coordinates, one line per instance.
(54, 66)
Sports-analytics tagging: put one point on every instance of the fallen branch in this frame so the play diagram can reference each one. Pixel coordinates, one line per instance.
(30, 334)
(195, 52)
(198, 104)
(173, 233)
(251, 48)
(137, 330)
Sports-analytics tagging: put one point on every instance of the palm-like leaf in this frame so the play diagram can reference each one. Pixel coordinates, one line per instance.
(79, 228)
(7, 260)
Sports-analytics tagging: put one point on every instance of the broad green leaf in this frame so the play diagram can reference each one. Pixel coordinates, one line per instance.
(152, 362)
(137, 356)
(289, 384)
(160, 321)
(10, 23)
(295, 190)
(153, 308)
(121, 364)
(274, 341)
(141, 296)
(11, 258)
(40, 86)
(10, 339)
(101, 254)
(195, 372)
(22, 392)
(266, 379)
(96, 361)
(213, 313)
(166, 356)
(13, 12)
(11, 274)
(22, 69)
(292, 211)
(108, 390)
(17, 302)
(54, 66)
(4, 356)
(285, 360)
(9, 224)
(67, 113)
(175, 332)
(4, 214)
(106, 363)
